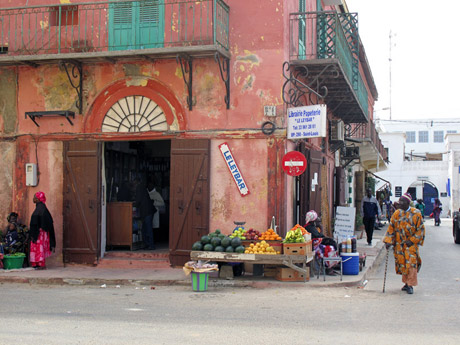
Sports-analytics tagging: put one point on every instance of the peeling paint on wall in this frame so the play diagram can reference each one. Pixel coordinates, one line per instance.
(132, 70)
(8, 97)
(54, 86)
(7, 157)
(137, 82)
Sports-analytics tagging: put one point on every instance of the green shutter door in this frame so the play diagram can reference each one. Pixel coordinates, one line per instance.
(302, 30)
(136, 25)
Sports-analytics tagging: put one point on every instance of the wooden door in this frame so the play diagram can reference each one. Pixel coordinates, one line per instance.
(189, 213)
(82, 167)
(310, 183)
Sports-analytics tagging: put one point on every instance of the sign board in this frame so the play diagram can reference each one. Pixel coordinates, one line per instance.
(344, 224)
(294, 163)
(422, 178)
(234, 170)
(270, 110)
(307, 122)
(398, 191)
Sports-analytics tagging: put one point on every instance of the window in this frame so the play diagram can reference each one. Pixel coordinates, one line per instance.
(423, 136)
(410, 137)
(451, 131)
(438, 136)
(64, 15)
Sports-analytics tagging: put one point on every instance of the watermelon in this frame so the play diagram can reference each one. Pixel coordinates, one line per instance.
(219, 249)
(221, 236)
(211, 235)
(217, 231)
(208, 247)
(215, 241)
(229, 249)
(239, 249)
(205, 239)
(225, 242)
(197, 246)
(236, 242)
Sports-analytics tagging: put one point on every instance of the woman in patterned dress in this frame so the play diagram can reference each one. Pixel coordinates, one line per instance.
(406, 233)
(41, 233)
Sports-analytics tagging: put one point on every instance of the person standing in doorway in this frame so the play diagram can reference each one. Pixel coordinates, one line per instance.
(41, 233)
(437, 212)
(146, 212)
(406, 233)
(158, 203)
(370, 209)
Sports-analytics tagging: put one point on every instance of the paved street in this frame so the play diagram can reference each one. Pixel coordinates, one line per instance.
(223, 315)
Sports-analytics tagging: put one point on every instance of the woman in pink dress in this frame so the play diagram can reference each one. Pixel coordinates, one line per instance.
(41, 233)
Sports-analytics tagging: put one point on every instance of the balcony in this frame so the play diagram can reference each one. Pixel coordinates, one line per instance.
(324, 48)
(372, 153)
(109, 30)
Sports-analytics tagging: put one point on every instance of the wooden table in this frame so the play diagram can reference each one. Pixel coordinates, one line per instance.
(282, 260)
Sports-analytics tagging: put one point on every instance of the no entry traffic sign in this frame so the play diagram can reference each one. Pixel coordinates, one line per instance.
(294, 163)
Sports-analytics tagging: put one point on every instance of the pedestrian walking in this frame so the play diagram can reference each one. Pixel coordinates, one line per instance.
(41, 233)
(370, 209)
(437, 212)
(406, 234)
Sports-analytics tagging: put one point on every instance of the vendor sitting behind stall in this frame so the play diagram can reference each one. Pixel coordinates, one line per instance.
(16, 236)
(322, 246)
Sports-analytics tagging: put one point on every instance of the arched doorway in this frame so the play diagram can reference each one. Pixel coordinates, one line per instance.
(426, 191)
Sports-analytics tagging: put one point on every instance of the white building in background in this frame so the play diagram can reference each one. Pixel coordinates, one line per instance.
(419, 160)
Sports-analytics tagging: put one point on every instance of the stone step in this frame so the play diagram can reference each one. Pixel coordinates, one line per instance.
(138, 255)
(136, 263)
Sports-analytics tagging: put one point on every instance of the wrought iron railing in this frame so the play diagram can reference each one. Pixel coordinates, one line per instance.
(113, 25)
(367, 131)
(329, 35)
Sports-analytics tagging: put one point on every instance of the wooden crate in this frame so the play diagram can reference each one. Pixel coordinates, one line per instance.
(289, 275)
(298, 248)
(270, 270)
(277, 245)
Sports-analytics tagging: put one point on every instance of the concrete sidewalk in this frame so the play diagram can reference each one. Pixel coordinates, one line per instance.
(84, 275)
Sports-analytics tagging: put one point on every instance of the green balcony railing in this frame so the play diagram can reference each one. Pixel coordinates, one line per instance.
(329, 35)
(113, 25)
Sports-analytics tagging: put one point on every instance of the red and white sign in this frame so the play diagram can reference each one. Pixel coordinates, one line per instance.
(234, 170)
(294, 163)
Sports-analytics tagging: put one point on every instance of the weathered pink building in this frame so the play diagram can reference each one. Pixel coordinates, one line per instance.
(99, 94)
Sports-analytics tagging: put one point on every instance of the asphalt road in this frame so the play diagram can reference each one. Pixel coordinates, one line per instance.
(287, 315)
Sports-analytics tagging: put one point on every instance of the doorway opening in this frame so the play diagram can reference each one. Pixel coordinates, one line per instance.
(136, 173)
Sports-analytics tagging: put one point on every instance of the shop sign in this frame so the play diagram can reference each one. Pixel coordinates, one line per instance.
(307, 122)
(234, 170)
(344, 223)
(294, 163)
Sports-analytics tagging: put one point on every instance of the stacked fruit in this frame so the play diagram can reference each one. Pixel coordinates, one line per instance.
(270, 235)
(260, 248)
(251, 234)
(294, 236)
(301, 228)
(218, 242)
(238, 232)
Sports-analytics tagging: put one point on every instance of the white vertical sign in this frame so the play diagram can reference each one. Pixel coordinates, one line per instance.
(344, 224)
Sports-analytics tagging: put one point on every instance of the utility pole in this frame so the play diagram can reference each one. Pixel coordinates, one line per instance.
(389, 60)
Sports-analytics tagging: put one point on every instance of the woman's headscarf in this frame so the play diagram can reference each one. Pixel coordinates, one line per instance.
(41, 196)
(310, 216)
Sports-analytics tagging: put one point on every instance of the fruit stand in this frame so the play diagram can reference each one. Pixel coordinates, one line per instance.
(256, 248)
(263, 259)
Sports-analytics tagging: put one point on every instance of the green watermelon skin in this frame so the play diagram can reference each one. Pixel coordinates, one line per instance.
(208, 247)
(229, 249)
(226, 241)
(205, 239)
(215, 241)
(219, 249)
(236, 242)
(197, 246)
(239, 249)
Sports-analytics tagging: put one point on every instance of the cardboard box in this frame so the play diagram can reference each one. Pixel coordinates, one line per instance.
(270, 270)
(290, 275)
(298, 248)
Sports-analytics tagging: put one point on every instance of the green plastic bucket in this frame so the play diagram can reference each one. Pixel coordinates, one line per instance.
(12, 262)
(200, 281)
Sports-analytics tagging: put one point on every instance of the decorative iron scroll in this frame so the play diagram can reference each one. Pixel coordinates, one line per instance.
(296, 87)
(224, 68)
(75, 78)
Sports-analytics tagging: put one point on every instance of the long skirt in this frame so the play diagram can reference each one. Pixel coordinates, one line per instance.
(40, 250)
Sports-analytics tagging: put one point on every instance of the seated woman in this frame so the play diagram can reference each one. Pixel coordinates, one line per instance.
(322, 246)
(15, 237)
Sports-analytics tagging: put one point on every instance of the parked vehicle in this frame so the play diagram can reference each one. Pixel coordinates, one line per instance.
(456, 226)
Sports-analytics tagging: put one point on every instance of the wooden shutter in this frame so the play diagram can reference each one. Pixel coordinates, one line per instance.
(151, 24)
(82, 166)
(122, 33)
(189, 213)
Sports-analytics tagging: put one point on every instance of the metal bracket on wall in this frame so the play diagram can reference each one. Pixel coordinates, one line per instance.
(75, 78)
(186, 65)
(36, 114)
(224, 67)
